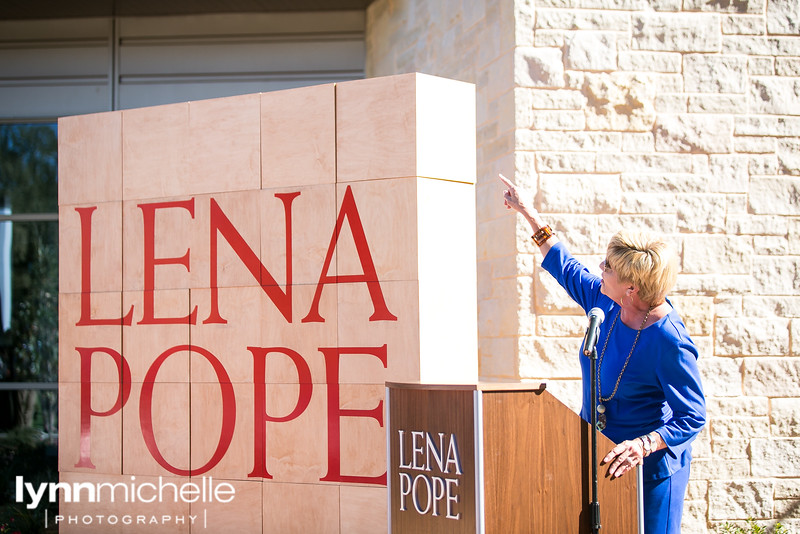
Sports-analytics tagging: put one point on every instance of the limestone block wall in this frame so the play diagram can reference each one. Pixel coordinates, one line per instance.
(678, 116)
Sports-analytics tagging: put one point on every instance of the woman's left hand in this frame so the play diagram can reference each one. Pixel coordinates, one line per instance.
(623, 458)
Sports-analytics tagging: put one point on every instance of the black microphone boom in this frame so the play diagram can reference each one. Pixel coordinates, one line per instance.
(596, 318)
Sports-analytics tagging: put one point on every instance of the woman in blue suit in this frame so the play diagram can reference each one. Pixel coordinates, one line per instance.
(650, 398)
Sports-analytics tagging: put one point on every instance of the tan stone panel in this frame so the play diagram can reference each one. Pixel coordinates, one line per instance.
(103, 228)
(163, 232)
(379, 229)
(313, 219)
(90, 158)
(296, 449)
(298, 137)
(319, 512)
(242, 514)
(363, 438)
(240, 308)
(296, 346)
(401, 337)
(446, 130)
(144, 344)
(222, 419)
(364, 509)
(154, 151)
(168, 429)
(376, 128)
(71, 336)
(104, 443)
(236, 219)
(225, 145)
(253, 320)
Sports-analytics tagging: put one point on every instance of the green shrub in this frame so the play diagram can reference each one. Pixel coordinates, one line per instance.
(751, 527)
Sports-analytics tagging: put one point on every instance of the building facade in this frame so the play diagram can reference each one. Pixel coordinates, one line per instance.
(679, 116)
(674, 116)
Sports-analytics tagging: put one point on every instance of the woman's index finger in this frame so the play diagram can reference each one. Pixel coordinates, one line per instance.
(506, 181)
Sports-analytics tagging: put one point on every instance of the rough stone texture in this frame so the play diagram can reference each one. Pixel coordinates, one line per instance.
(787, 67)
(697, 313)
(731, 448)
(720, 468)
(789, 156)
(581, 193)
(723, 7)
(785, 417)
(776, 306)
(715, 104)
(783, 16)
(539, 67)
(678, 116)
(557, 99)
(776, 457)
(760, 66)
(649, 61)
(558, 120)
(556, 358)
(728, 174)
(755, 145)
(552, 19)
(619, 101)
(771, 377)
(717, 254)
(775, 96)
(675, 32)
(637, 142)
(648, 203)
(706, 134)
(738, 407)
(714, 73)
(701, 213)
(795, 333)
(776, 275)
(591, 51)
(563, 326)
(787, 489)
(752, 337)
(767, 126)
(673, 180)
(740, 500)
(721, 376)
(740, 428)
(560, 162)
(694, 516)
(743, 25)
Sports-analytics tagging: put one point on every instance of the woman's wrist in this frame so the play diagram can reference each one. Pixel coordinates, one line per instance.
(650, 443)
(535, 221)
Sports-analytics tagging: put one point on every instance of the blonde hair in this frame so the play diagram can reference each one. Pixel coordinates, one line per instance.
(646, 261)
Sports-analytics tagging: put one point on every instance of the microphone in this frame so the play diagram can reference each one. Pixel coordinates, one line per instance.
(596, 318)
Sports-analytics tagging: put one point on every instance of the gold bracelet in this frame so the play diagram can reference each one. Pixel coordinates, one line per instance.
(543, 234)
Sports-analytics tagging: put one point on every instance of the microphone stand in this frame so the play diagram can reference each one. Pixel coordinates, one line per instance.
(594, 517)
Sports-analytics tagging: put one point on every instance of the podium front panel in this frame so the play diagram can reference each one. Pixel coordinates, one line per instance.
(432, 460)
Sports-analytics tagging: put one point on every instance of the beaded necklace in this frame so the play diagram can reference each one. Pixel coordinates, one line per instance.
(601, 409)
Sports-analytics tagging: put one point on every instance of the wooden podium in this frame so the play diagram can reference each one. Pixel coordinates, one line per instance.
(497, 459)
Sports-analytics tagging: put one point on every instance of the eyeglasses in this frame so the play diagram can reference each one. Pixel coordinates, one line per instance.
(606, 266)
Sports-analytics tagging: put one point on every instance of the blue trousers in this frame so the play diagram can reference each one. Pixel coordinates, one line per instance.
(663, 503)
